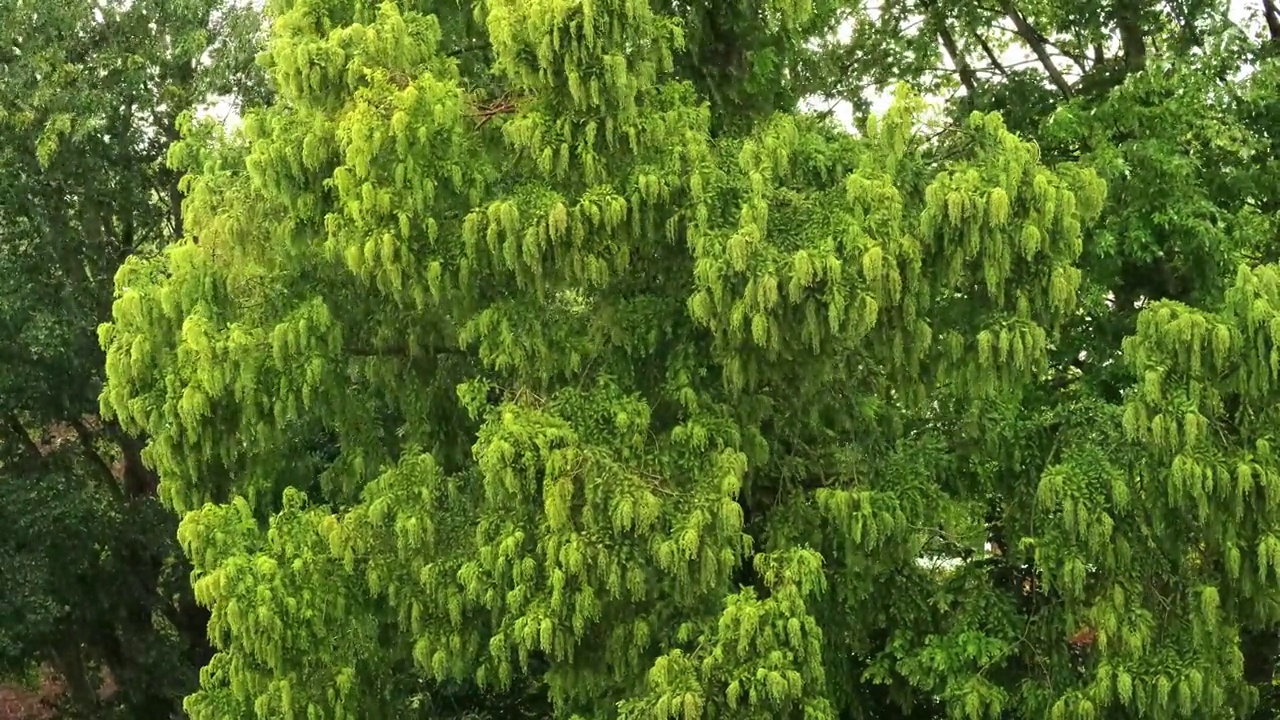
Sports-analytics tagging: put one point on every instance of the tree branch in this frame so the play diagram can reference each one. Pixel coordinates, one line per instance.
(991, 56)
(91, 453)
(139, 480)
(1272, 15)
(1127, 16)
(1036, 41)
(963, 69)
(29, 447)
(476, 46)
(502, 106)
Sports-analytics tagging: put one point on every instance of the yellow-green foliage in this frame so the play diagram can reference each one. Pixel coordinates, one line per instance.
(539, 378)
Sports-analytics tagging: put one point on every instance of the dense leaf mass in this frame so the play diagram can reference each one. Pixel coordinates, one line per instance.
(549, 353)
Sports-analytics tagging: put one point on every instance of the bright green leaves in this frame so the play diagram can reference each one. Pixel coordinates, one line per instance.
(316, 55)
(487, 337)
(1203, 373)
(775, 280)
(808, 266)
(277, 599)
(616, 514)
(1001, 209)
(594, 56)
(1004, 234)
(574, 538)
(762, 657)
(1201, 368)
(398, 110)
(197, 363)
(389, 225)
(1192, 497)
(675, 415)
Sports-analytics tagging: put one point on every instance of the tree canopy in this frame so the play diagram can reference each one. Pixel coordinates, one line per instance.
(552, 355)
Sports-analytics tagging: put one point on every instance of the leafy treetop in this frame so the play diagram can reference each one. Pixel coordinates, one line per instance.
(511, 344)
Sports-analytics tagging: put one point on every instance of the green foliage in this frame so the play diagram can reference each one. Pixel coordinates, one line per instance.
(546, 355)
(89, 93)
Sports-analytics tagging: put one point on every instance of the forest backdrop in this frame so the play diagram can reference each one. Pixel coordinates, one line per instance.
(568, 358)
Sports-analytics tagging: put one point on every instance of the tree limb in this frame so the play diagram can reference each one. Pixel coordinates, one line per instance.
(1127, 17)
(476, 46)
(991, 56)
(139, 480)
(29, 447)
(1272, 15)
(963, 69)
(1036, 42)
(85, 435)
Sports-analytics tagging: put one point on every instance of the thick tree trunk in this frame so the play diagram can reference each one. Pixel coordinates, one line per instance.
(1127, 15)
(139, 480)
(83, 696)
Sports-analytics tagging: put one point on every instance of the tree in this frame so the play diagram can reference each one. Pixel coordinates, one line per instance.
(530, 345)
(1177, 118)
(89, 96)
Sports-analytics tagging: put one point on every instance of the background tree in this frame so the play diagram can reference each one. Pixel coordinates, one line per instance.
(90, 94)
